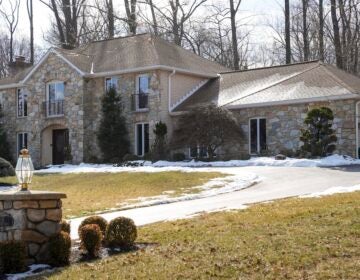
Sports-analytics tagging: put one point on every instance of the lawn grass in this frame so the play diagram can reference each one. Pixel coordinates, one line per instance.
(91, 192)
(313, 238)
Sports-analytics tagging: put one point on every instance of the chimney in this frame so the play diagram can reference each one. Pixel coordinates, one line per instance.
(18, 65)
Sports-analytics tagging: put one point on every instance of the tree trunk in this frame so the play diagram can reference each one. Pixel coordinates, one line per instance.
(111, 18)
(321, 30)
(305, 30)
(131, 15)
(154, 25)
(234, 36)
(287, 32)
(31, 23)
(337, 42)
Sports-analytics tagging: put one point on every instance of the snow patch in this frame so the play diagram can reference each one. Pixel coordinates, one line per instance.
(213, 187)
(34, 270)
(183, 166)
(333, 190)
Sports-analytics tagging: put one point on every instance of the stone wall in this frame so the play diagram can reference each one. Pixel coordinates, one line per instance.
(157, 108)
(53, 69)
(283, 125)
(36, 216)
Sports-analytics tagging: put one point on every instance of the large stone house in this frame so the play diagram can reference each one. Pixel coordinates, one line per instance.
(55, 105)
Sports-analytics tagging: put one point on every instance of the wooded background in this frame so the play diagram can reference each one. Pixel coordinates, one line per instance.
(326, 30)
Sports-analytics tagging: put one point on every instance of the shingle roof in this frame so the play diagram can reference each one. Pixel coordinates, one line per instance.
(137, 51)
(290, 83)
(126, 53)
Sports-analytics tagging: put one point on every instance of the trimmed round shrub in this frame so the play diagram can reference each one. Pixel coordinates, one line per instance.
(91, 237)
(59, 249)
(95, 220)
(65, 226)
(6, 169)
(121, 232)
(12, 257)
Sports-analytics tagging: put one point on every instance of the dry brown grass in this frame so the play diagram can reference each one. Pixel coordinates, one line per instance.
(91, 192)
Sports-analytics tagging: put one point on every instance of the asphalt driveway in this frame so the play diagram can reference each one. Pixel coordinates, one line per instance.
(276, 183)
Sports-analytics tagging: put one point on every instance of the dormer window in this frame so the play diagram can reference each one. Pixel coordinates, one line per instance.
(21, 96)
(55, 99)
(111, 82)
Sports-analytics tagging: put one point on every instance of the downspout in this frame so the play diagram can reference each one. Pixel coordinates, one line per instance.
(169, 89)
(357, 120)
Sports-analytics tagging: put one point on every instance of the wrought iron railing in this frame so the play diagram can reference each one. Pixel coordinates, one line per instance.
(140, 102)
(54, 108)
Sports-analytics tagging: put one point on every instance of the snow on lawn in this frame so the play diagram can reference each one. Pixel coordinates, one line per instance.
(333, 190)
(235, 182)
(163, 166)
(34, 269)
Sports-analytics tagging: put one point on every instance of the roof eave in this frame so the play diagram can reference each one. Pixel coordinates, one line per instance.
(294, 102)
(12, 85)
(150, 68)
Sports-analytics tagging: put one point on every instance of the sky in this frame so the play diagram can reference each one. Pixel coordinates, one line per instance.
(259, 12)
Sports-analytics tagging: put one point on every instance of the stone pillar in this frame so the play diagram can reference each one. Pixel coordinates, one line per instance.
(31, 217)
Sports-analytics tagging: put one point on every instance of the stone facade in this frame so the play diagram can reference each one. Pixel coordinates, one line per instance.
(55, 69)
(82, 114)
(283, 125)
(36, 216)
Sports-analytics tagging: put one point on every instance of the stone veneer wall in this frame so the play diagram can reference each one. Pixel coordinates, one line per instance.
(53, 69)
(283, 125)
(36, 218)
(94, 91)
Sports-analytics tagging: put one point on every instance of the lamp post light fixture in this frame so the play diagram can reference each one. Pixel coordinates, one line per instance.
(24, 169)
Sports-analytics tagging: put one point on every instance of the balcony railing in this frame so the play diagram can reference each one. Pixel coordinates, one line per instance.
(54, 108)
(140, 102)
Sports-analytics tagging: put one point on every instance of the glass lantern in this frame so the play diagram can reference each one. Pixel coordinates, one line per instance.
(24, 169)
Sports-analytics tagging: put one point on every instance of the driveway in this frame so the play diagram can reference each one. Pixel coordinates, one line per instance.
(277, 183)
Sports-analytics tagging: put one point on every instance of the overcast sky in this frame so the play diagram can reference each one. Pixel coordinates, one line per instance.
(261, 11)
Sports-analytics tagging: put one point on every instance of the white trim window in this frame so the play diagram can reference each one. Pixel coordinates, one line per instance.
(142, 143)
(21, 97)
(142, 91)
(257, 136)
(22, 141)
(55, 94)
(111, 82)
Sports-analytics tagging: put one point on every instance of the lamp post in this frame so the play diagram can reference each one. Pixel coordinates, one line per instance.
(24, 169)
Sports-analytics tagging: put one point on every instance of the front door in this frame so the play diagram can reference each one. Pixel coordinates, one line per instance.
(58, 147)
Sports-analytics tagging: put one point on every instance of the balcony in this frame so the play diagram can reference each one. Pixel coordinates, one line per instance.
(140, 102)
(54, 108)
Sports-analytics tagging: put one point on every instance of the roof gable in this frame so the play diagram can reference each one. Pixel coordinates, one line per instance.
(281, 84)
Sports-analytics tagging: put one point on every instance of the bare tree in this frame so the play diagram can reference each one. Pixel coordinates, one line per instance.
(321, 30)
(11, 17)
(174, 16)
(130, 8)
(287, 32)
(29, 5)
(68, 14)
(305, 4)
(336, 30)
(233, 11)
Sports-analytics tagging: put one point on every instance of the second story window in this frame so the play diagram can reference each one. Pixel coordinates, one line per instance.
(55, 99)
(21, 96)
(142, 91)
(111, 82)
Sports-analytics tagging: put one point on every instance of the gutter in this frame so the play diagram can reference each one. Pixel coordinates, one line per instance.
(169, 89)
(291, 102)
(8, 86)
(149, 68)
